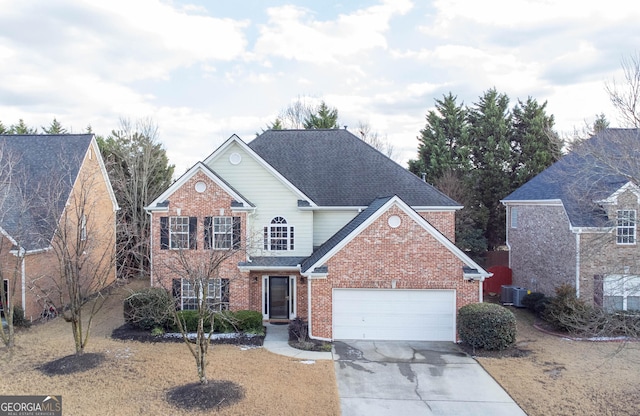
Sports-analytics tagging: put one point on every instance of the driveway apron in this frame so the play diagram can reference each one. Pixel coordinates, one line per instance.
(415, 378)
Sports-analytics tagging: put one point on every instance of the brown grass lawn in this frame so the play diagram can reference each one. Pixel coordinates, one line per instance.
(135, 377)
(565, 377)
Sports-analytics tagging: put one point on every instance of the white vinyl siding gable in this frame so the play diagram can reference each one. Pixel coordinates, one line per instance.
(270, 195)
(327, 223)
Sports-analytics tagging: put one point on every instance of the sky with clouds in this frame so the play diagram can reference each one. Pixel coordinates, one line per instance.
(204, 70)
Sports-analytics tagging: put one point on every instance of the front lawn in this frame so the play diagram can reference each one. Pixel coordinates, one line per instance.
(135, 377)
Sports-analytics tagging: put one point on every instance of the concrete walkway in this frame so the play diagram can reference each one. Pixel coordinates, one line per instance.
(277, 342)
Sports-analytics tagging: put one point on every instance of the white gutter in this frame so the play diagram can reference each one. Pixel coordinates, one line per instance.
(23, 272)
(309, 314)
(578, 265)
(150, 213)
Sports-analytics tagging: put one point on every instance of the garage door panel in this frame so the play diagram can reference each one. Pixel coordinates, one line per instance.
(394, 314)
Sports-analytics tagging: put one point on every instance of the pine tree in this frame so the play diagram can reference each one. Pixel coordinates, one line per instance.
(324, 118)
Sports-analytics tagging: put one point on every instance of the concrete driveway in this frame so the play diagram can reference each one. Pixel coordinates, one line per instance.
(415, 378)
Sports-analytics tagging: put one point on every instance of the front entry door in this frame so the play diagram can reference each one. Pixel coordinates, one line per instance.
(279, 297)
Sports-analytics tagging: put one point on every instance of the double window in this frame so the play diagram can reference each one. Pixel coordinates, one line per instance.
(626, 226)
(222, 233)
(181, 233)
(621, 293)
(213, 292)
(278, 236)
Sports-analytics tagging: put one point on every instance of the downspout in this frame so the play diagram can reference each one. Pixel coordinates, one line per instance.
(150, 247)
(578, 264)
(23, 272)
(309, 306)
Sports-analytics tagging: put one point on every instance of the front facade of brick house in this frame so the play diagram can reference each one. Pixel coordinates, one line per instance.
(57, 175)
(313, 216)
(568, 226)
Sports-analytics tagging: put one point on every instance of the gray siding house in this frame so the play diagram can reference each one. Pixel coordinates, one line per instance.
(576, 223)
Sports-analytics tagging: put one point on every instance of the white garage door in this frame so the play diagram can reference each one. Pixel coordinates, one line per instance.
(380, 314)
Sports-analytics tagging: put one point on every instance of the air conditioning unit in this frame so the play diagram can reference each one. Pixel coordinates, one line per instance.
(518, 294)
(506, 294)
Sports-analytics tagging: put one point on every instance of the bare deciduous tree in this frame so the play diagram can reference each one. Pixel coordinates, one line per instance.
(625, 97)
(204, 277)
(373, 138)
(83, 246)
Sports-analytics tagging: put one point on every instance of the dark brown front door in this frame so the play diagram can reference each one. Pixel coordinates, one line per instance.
(279, 297)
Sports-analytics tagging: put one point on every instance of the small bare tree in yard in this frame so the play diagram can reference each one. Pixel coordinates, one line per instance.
(201, 277)
(83, 249)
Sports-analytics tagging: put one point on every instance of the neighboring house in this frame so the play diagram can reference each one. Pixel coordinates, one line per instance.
(337, 234)
(53, 189)
(576, 223)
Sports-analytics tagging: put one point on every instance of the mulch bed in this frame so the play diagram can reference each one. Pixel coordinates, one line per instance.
(128, 332)
(72, 364)
(216, 394)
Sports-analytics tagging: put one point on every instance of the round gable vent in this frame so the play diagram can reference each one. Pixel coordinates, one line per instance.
(235, 158)
(394, 221)
(201, 187)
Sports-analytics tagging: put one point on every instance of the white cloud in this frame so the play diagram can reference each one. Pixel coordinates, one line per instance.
(293, 33)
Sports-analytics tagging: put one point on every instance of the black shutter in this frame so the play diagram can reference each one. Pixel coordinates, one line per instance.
(208, 232)
(237, 232)
(164, 233)
(176, 286)
(224, 293)
(193, 233)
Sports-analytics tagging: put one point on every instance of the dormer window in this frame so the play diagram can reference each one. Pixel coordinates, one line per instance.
(278, 236)
(626, 226)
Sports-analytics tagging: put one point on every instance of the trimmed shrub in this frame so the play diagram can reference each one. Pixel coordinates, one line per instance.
(487, 325)
(225, 321)
(530, 299)
(18, 318)
(568, 313)
(189, 321)
(298, 330)
(149, 308)
(248, 320)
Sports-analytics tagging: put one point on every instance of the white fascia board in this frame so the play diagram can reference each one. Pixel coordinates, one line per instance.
(269, 268)
(8, 237)
(333, 208)
(105, 174)
(613, 198)
(592, 230)
(417, 218)
(547, 202)
(436, 209)
(198, 167)
(235, 139)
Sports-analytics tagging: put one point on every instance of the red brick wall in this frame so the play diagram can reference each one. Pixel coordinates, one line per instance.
(380, 254)
(200, 205)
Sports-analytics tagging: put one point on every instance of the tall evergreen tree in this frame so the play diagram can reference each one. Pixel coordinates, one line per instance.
(324, 118)
(443, 142)
(54, 128)
(22, 128)
(535, 145)
(489, 138)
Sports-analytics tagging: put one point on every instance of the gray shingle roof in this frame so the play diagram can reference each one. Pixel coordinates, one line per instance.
(280, 261)
(335, 168)
(38, 161)
(343, 233)
(595, 170)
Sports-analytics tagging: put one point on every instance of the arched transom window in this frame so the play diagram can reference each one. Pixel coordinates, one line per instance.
(278, 235)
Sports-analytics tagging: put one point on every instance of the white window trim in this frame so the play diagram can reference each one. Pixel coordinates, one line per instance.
(173, 231)
(228, 231)
(623, 215)
(216, 297)
(292, 297)
(619, 285)
(514, 217)
(270, 230)
(83, 228)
